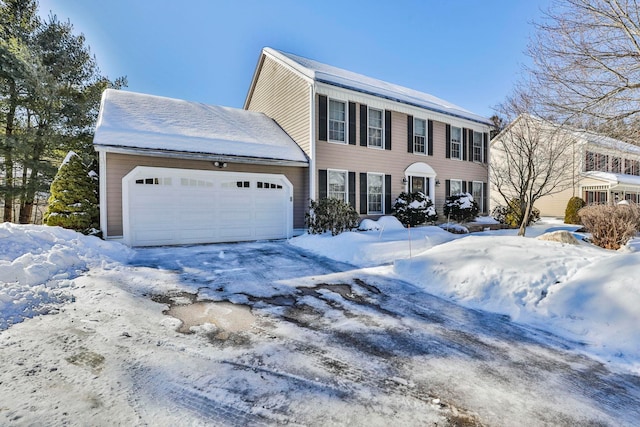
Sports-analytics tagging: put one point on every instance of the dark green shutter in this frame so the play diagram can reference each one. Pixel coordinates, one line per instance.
(410, 134)
(447, 135)
(471, 145)
(464, 186)
(322, 119)
(363, 193)
(387, 130)
(430, 136)
(465, 133)
(363, 125)
(485, 206)
(352, 123)
(352, 189)
(447, 187)
(485, 149)
(387, 194)
(322, 184)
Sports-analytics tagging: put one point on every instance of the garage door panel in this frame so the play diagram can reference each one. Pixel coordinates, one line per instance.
(192, 206)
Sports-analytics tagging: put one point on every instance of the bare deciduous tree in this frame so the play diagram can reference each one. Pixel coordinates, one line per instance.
(585, 72)
(530, 158)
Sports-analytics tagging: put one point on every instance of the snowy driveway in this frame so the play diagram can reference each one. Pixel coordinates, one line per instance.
(324, 344)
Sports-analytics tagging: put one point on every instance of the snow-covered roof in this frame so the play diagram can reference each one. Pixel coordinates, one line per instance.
(606, 142)
(147, 122)
(339, 77)
(614, 178)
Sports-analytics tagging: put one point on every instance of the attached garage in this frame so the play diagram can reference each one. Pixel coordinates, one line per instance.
(182, 206)
(175, 172)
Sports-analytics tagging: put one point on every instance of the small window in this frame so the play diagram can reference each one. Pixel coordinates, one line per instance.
(375, 128)
(455, 187)
(337, 121)
(148, 181)
(242, 184)
(375, 193)
(139, 181)
(419, 136)
(478, 143)
(337, 185)
(456, 143)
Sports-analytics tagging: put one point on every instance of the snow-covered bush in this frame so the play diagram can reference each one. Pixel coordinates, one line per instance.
(331, 215)
(611, 226)
(413, 209)
(571, 212)
(511, 215)
(461, 207)
(73, 202)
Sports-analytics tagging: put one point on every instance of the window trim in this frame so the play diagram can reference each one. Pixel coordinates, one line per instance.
(459, 143)
(480, 147)
(369, 127)
(370, 212)
(346, 183)
(425, 137)
(346, 121)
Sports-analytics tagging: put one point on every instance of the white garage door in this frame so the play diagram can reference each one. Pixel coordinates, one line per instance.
(164, 206)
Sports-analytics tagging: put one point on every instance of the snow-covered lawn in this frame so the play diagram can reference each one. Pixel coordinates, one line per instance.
(351, 338)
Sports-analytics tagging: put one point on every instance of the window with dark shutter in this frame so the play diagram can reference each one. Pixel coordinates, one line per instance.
(447, 135)
(322, 118)
(447, 187)
(363, 193)
(352, 189)
(465, 134)
(387, 194)
(485, 148)
(470, 150)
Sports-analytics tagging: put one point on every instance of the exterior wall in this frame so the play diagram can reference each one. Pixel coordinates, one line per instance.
(555, 205)
(118, 165)
(285, 97)
(356, 158)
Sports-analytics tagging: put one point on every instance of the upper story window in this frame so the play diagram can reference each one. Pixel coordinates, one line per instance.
(602, 162)
(616, 165)
(478, 144)
(456, 143)
(596, 162)
(337, 120)
(337, 185)
(375, 126)
(419, 136)
(631, 167)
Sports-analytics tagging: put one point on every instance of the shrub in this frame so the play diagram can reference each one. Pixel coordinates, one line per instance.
(414, 208)
(461, 207)
(511, 215)
(331, 215)
(73, 202)
(571, 213)
(611, 226)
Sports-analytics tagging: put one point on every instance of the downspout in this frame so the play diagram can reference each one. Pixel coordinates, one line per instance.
(312, 142)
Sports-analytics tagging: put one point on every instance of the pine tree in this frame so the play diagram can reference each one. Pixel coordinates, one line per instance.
(73, 202)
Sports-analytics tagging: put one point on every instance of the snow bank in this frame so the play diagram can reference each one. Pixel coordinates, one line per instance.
(37, 263)
(578, 291)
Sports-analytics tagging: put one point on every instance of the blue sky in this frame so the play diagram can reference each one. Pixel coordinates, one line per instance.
(468, 52)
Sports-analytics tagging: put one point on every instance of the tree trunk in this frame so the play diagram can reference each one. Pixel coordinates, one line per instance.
(525, 219)
(7, 153)
(30, 184)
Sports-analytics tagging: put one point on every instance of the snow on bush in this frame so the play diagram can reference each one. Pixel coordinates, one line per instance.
(461, 207)
(37, 263)
(414, 208)
(383, 223)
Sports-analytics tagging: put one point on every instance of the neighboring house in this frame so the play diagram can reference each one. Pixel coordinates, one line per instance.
(178, 172)
(605, 170)
(369, 140)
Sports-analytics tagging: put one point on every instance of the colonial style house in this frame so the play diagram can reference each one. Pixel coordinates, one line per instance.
(178, 172)
(368, 140)
(604, 170)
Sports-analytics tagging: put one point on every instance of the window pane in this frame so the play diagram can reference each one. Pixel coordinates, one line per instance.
(478, 138)
(337, 120)
(476, 192)
(419, 136)
(456, 138)
(337, 188)
(455, 187)
(374, 193)
(375, 128)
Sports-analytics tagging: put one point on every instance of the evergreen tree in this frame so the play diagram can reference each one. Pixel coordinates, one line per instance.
(73, 202)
